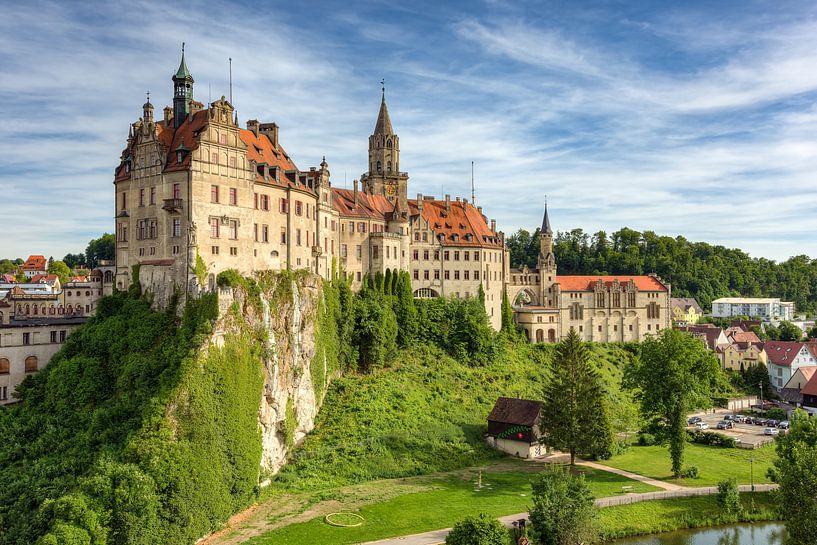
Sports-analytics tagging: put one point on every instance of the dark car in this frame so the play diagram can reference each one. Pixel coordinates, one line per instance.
(748, 420)
(725, 425)
(760, 421)
(729, 417)
(772, 422)
(694, 420)
(784, 425)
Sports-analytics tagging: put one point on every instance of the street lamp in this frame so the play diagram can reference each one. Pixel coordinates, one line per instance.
(752, 472)
(760, 384)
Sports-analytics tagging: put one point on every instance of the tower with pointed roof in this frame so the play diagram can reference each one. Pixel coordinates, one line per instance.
(546, 262)
(384, 176)
(182, 92)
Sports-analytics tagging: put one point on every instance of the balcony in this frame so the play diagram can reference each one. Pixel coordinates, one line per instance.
(173, 206)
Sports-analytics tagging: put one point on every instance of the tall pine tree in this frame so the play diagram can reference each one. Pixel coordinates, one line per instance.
(575, 414)
(507, 315)
(408, 322)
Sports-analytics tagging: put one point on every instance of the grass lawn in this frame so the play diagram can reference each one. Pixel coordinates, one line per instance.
(448, 499)
(714, 463)
(651, 517)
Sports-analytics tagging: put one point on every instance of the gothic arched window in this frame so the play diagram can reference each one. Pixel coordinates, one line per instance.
(31, 364)
(388, 167)
(379, 167)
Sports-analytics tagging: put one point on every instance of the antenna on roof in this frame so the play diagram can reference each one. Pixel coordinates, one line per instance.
(209, 96)
(383, 88)
(473, 199)
(231, 79)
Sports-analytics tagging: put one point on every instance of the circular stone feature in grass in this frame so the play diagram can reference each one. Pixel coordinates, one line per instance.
(344, 520)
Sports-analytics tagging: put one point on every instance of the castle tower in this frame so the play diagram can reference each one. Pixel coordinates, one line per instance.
(384, 176)
(182, 93)
(547, 263)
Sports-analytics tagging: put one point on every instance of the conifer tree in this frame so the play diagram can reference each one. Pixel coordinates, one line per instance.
(481, 294)
(407, 316)
(507, 315)
(576, 418)
(387, 282)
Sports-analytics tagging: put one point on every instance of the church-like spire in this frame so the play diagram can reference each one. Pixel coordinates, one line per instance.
(182, 92)
(546, 222)
(183, 72)
(383, 125)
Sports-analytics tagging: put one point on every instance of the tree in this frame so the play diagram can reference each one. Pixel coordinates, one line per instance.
(507, 314)
(74, 260)
(789, 331)
(563, 511)
(729, 497)
(578, 420)
(812, 333)
(387, 283)
(375, 330)
(103, 247)
(61, 270)
(7, 266)
(756, 378)
(674, 374)
(406, 312)
(478, 530)
(795, 470)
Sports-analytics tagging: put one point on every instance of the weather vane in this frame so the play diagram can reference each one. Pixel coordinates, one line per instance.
(383, 86)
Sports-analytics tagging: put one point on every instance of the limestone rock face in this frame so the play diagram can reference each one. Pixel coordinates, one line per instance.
(288, 404)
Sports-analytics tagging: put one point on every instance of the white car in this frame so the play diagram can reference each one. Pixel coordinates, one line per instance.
(702, 425)
(772, 431)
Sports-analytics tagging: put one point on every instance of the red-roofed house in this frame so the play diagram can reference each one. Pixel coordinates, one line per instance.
(35, 265)
(809, 393)
(785, 357)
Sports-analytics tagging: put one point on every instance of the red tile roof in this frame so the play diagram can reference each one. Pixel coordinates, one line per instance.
(783, 352)
(586, 283)
(44, 279)
(35, 263)
(745, 337)
(811, 386)
(456, 222)
(367, 206)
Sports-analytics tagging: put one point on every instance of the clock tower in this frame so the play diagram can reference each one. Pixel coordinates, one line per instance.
(384, 176)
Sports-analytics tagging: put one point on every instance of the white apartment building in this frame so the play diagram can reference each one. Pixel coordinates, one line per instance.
(766, 308)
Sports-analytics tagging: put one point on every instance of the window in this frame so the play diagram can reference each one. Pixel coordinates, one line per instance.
(233, 229)
(343, 249)
(456, 255)
(233, 250)
(5, 366)
(465, 275)
(446, 255)
(476, 274)
(298, 237)
(436, 274)
(63, 333)
(124, 200)
(416, 255)
(232, 162)
(31, 364)
(142, 197)
(375, 253)
(214, 158)
(283, 206)
(446, 275)
(299, 208)
(214, 250)
(153, 195)
(233, 196)
(53, 336)
(466, 255)
(425, 275)
(255, 232)
(456, 275)
(4, 392)
(359, 252)
(631, 299)
(222, 138)
(265, 233)
(214, 193)
(177, 191)
(425, 255)
(437, 255)
(214, 227)
(361, 227)
(26, 338)
(616, 299)
(416, 274)
(177, 227)
(351, 227)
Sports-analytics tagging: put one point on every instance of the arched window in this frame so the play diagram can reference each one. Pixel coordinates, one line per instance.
(31, 364)
(87, 293)
(540, 335)
(35, 310)
(388, 167)
(19, 308)
(5, 366)
(42, 310)
(70, 309)
(388, 143)
(52, 310)
(28, 308)
(425, 293)
(108, 276)
(1, 317)
(379, 167)
(551, 335)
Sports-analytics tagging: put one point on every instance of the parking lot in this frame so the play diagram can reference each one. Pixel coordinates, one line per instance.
(747, 435)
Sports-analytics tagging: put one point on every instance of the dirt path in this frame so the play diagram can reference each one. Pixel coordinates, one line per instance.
(634, 476)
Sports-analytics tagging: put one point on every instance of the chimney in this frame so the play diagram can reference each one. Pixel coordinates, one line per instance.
(355, 193)
(493, 226)
(458, 199)
(420, 201)
(448, 203)
(271, 130)
(479, 209)
(252, 125)
(168, 115)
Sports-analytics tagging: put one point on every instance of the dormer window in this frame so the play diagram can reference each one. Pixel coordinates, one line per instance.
(127, 167)
(179, 157)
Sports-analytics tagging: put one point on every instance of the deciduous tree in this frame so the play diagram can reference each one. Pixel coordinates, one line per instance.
(478, 530)
(563, 511)
(674, 374)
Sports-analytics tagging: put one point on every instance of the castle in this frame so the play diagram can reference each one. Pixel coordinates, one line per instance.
(196, 191)
(197, 194)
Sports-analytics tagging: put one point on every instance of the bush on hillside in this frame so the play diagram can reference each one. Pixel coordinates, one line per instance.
(478, 530)
(711, 438)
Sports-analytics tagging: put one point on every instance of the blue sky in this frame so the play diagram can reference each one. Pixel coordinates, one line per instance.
(690, 118)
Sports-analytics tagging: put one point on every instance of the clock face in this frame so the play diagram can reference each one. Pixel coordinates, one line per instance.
(391, 189)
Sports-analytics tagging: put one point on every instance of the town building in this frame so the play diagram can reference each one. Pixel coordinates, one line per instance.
(711, 335)
(809, 395)
(768, 309)
(35, 265)
(197, 193)
(619, 308)
(685, 310)
(741, 356)
(513, 427)
(785, 357)
(792, 390)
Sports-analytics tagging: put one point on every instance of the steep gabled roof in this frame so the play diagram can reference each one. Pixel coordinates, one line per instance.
(587, 283)
(783, 352)
(519, 412)
(811, 386)
(461, 223)
(35, 263)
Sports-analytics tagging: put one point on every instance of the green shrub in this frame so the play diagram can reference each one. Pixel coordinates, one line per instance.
(478, 530)
(777, 413)
(711, 438)
(729, 497)
(690, 472)
(647, 439)
(563, 511)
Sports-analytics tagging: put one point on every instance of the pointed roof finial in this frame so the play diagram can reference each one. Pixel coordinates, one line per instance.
(546, 220)
(183, 72)
(383, 125)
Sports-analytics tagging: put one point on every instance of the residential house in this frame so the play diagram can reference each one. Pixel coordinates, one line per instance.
(792, 391)
(711, 335)
(740, 356)
(739, 335)
(34, 265)
(685, 310)
(767, 309)
(785, 357)
(809, 393)
(513, 427)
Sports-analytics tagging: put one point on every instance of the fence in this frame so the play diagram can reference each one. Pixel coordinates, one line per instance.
(667, 494)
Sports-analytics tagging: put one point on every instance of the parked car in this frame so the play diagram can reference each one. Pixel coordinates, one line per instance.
(739, 418)
(729, 417)
(771, 431)
(772, 423)
(694, 420)
(725, 425)
(784, 425)
(760, 421)
(748, 420)
(702, 425)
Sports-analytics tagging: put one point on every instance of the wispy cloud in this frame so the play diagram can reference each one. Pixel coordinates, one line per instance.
(664, 119)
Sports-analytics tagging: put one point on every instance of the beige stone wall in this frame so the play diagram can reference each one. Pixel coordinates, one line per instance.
(82, 294)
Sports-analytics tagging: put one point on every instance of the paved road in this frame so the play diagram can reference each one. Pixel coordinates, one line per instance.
(438, 536)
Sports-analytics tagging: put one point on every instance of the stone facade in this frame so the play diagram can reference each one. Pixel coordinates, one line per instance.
(196, 194)
(600, 308)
